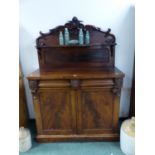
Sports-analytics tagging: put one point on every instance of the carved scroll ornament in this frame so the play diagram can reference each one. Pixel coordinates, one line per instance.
(73, 26)
(33, 84)
(117, 88)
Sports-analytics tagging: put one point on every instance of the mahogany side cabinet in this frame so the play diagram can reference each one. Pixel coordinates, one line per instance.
(76, 90)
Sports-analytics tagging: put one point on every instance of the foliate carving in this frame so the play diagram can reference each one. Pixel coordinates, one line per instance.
(42, 41)
(117, 87)
(74, 23)
(119, 82)
(116, 91)
(33, 84)
(73, 26)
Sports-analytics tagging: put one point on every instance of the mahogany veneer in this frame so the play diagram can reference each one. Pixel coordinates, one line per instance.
(76, 91)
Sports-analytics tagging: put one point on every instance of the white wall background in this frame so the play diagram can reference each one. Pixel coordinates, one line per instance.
(42, 15)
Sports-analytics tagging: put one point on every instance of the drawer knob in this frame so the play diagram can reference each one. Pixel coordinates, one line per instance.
(75, 84)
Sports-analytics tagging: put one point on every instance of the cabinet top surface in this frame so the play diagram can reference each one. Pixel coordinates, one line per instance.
(76, 74)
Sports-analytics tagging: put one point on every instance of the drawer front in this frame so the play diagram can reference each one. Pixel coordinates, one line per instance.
(97, 83)
(76, 83)
(54, 83)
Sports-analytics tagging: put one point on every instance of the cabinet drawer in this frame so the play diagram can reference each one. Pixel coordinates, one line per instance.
(54, 83)
(97, 83)
(75, 83)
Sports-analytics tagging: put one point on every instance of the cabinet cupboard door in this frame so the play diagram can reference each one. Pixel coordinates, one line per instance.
(96, 110)
(57, 112)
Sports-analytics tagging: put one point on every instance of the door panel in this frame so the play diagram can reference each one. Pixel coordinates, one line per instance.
(56, 111)
(95, 110)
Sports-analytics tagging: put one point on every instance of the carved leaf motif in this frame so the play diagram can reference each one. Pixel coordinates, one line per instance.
(117, 89)
(74, 25)
(33, 84)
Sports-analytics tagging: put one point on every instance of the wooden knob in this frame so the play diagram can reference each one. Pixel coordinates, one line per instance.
(75, 84)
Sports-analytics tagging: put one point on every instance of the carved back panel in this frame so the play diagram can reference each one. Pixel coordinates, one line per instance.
(99, 53)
